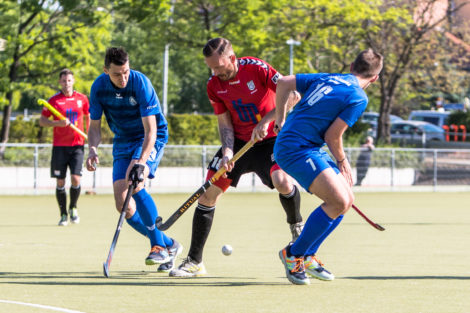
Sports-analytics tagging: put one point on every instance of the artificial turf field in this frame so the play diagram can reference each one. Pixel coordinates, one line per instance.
(421, 263)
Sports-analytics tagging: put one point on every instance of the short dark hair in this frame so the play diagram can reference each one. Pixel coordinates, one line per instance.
(218, 45)
(368, 63)
(115, 55)
(65, 71)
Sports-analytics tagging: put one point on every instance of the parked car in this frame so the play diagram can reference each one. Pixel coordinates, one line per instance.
(438, 118)
(371, 118)
(415, 132)
(368, 117)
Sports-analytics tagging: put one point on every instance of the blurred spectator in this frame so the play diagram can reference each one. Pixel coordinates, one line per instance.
(363, 160)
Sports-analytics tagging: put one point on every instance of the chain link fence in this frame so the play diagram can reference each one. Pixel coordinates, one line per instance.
(25, 170)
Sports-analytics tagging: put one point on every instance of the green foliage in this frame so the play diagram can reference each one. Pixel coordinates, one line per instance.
(184, 129)
(191, 129)
(75, 33)
(460, 118)
(355, 135)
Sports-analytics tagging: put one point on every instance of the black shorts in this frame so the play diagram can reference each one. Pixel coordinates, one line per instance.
(258, 159)
(63, 157)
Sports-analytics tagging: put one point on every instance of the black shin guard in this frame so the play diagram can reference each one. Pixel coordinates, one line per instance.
(61, 196)
(202, 223)
(74, 194)
(291, 204)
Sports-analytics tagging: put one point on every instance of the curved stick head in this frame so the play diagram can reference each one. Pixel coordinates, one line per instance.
(105, 270)
(379, 227)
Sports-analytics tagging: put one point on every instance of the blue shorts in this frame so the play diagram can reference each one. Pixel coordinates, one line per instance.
(303, 164)
(123, 154)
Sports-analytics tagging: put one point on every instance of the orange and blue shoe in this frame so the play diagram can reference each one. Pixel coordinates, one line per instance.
(175, 250)
(314, 267)
(295, 268)
(158, 255)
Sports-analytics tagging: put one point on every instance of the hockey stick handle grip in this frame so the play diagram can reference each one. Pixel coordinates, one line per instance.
(221, 171)
(61, 117)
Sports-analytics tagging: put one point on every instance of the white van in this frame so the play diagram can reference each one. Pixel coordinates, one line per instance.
(434, 117)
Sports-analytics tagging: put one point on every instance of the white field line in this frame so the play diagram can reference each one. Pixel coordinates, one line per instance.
(47, 307)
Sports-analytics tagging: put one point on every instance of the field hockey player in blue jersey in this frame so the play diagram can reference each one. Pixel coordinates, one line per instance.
(330, 104)
(132, 110)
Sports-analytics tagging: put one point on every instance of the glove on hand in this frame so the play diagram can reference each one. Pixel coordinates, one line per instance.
(136, 175)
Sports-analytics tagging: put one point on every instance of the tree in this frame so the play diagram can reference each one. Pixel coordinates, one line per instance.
(400, 32)
(42, 38)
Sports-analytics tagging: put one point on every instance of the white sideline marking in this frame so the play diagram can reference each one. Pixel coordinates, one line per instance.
(53, 308)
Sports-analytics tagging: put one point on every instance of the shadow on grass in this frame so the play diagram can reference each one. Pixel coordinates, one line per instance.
(121, 278)
(407, 277)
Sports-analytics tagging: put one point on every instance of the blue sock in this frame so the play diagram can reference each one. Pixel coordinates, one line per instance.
(136, 222)
(317, 224)
(314, 247)
(148, 213)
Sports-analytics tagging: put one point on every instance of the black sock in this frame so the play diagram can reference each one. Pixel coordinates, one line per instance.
(74, 194)
(291, 204)
(202, 223)
(61, 196)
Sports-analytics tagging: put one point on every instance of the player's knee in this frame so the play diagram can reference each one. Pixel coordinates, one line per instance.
(345, 203)
(342, 204)
(282, 182)
(208, 199)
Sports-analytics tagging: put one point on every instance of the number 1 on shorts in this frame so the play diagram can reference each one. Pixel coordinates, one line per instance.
(309, 161)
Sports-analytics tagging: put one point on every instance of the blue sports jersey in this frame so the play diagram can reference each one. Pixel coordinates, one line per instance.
(324, 98)
(125, 107)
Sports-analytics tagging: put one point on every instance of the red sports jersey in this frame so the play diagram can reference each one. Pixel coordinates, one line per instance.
(249, 96)
(73, 108)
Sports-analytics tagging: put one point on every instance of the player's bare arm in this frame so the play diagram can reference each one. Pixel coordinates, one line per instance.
(94, 139)
(227, 138)
(87, 122)
(285, 86)
(150, 128)
(261, 129)
(45, 122)
(334, 140)
(137, 170)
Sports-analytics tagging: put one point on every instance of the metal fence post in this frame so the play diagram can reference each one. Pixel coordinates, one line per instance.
(94, 181)
(36, 164)
(392, 168)
(203, 163)
(434, 179)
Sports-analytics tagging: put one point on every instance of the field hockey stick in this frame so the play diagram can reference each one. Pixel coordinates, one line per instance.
(375, 225)
(106, 264)
(61, 117)
(185, 206)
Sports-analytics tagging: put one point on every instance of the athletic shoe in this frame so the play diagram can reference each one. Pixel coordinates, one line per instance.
(296, 229)
(158, 255)
(74, 218)
(314, 267)
(189, 268)
(63, 220)
(173, 251)
(295, 269)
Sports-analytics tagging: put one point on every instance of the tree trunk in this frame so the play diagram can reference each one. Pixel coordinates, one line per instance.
(383, 127)
(6, 124)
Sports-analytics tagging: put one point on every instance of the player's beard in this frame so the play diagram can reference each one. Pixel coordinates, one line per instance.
(229, 74)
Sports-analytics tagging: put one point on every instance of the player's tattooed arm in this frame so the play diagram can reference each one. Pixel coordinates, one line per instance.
(227, 138)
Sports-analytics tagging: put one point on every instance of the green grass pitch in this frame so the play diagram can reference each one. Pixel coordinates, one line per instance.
(419, 264)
